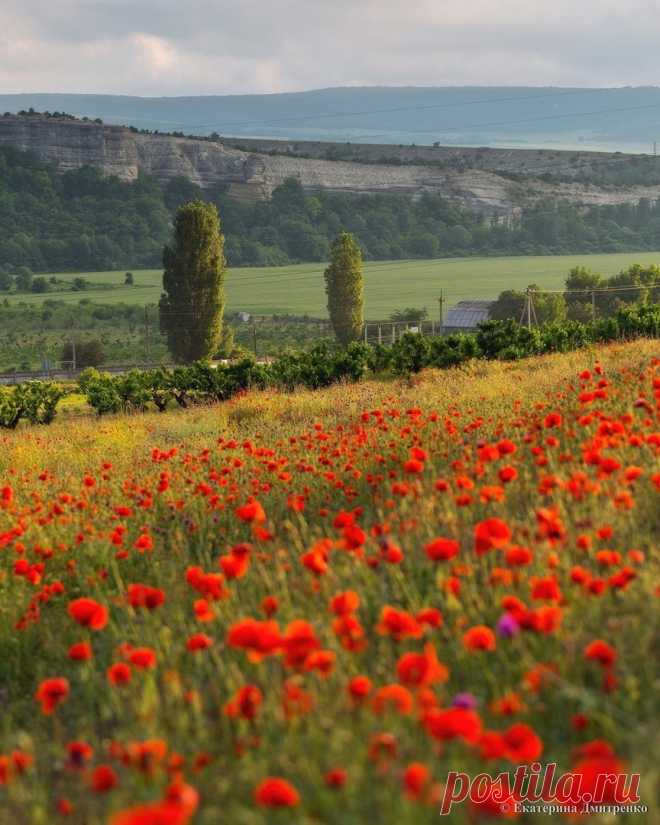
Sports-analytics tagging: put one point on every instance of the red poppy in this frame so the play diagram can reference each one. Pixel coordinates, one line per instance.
(275, 792)
(335, 778)
(553, 419)
(251, 512)
(421, 669)
(491, 533)
(51, 693)
(142, 657)
(245, 704)
(479, 637)
(210, 585)
(234, 566)
(144, 543)
(415, 779)
(269, 605)
(453, 723)
(523, 746)
(258, 638)
(518, 556)
(392, 697)
(103, 779)
(398, 624)
(507, 474)
(342, 603)
(429, 616)
(359, 687)
(599, 651)
(80, 652)
(198, 641)
(79, 753)
(321, 661)
(298, 642)
(442, 549)
(156, 813)
(6, 496)
(88, 613)
(119, 673)
(141, 595)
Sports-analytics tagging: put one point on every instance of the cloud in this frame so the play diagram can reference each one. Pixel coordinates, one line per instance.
(163, 47)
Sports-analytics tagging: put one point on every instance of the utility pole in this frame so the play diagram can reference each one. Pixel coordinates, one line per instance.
(73, 345)
(441, 303)
(528, 309)
(146, 335)
(254, 337)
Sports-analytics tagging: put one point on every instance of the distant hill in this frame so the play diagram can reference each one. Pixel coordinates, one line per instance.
(622, 119)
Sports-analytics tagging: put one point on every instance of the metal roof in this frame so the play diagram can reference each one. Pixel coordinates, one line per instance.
(468, 314)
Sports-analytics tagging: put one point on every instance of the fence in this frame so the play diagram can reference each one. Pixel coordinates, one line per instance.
(388, 332)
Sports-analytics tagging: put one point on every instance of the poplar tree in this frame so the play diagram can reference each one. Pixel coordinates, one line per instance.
(344, 286)
(193, 300)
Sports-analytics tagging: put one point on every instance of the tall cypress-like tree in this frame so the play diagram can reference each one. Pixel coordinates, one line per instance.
(344, 286)
(193, 300)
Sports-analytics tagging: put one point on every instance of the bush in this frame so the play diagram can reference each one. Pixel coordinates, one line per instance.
(35, 401)
(411, 353)
(103, 396)
(85, 378)
(11, 410)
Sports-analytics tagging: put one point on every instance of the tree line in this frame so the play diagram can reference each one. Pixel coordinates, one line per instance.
(587, 295)
(81, 220)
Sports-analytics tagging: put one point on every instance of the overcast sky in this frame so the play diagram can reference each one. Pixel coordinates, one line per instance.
(174, 47)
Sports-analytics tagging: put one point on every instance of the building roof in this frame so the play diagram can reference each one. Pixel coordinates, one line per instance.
(468, 314)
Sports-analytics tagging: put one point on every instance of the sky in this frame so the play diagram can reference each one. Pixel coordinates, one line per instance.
(190, 47)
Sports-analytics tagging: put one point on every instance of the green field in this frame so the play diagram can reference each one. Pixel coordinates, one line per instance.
(390, 285)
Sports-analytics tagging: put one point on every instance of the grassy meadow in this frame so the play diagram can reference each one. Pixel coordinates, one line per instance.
(310, 608)
(389, 285)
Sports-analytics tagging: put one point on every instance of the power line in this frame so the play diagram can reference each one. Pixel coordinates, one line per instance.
(394, 110)
(587, 290)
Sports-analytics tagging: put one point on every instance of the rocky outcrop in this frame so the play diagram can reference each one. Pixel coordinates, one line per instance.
(253, 176)
(71, 144)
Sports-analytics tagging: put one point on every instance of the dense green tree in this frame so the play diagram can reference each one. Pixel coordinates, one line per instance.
(40, 284)
(180, 190)
(6, 281)
(193, 300)
(409, 315)
(344, 286)
(580, 296)
(23, 279)
(89, 353)
(548, 307)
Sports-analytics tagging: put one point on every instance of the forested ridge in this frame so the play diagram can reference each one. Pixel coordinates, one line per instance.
(81, 220)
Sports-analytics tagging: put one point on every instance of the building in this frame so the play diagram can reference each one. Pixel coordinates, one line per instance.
(466, 316)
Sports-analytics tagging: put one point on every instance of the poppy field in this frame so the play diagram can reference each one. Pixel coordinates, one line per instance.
(312, 607)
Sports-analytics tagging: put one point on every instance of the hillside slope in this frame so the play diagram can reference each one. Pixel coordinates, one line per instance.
(353, 591)
(623, 118)
(253, 176)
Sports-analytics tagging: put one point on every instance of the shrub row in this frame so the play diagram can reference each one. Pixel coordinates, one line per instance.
(321, 366)
(324, 364)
